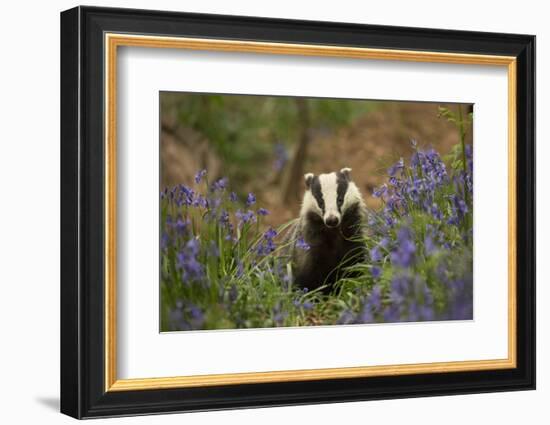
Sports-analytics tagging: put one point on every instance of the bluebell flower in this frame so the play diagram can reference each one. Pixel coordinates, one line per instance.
(366, 315)
(199, 176)
(375, 297)
(263, 212)
(435, 212)
(380, 191)
(196, 313)
(307, 305)
(245, 217)
(224, 218)
(404, 254)
(240, 268)
(250, 199)
(181, 226)
(200, 201)
(186, 195)
(267, 245)
(392, 314)
(395, 168)
(460, 206)
(185, 317)
(375, 254)
(220, 184)
(169, 220)
(429, 245)
(230, 230)
(279, 315)
(346, 318)
(453, 219)
(193, 246)
(302, 244)
(164, 240)
(188, 262)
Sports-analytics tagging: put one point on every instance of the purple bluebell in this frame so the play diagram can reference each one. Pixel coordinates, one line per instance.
(181, 226)
(200, 201)
(380, 191)
(270, 234)
(250, 199)
(279, 315)
(429, 245)
(199, 176)
(185, 317)
(188, 262)
(302, 244)
(240, 268)
(220, 184)
(224, 218)
(404, 253)
(460, 206)
(395, 168)
(346, 318)
(185, 196)
(435, 212)
(375, 254)
(164, 240)
(267, 245)
(245, 217)
(307, 305)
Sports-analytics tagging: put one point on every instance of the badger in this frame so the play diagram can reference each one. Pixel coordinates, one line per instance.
(328, 231)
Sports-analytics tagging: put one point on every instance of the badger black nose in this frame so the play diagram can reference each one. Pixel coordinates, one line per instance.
(332, 221)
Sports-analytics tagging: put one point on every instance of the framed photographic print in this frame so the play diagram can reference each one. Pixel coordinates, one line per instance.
(261, 212)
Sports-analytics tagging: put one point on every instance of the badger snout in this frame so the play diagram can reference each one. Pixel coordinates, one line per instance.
(332, 221)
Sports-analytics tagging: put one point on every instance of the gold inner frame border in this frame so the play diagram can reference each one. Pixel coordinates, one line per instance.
(113, 40)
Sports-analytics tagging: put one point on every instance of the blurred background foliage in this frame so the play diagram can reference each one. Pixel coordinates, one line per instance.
(265, 144)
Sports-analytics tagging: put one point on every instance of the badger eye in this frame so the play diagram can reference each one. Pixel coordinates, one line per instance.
(340, 200)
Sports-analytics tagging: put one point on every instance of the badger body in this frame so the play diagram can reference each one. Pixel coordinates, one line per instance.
(331, 224)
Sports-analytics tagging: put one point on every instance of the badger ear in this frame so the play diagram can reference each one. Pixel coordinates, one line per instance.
(346, 172)
(308, 179)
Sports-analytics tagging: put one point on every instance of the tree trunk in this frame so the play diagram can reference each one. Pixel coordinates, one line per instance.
(294, 178)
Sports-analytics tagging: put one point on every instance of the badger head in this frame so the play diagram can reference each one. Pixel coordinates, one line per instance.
(330, 196)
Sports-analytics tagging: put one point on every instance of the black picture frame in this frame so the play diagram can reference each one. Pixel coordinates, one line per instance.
(83, 392)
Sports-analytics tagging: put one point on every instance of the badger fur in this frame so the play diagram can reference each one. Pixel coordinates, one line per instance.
(331, 222)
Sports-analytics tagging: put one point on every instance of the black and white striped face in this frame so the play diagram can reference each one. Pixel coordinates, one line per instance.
(330, 195)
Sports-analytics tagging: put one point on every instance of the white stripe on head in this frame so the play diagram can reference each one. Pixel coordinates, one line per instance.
(353, 196)
(329, 187)
(309, 204)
